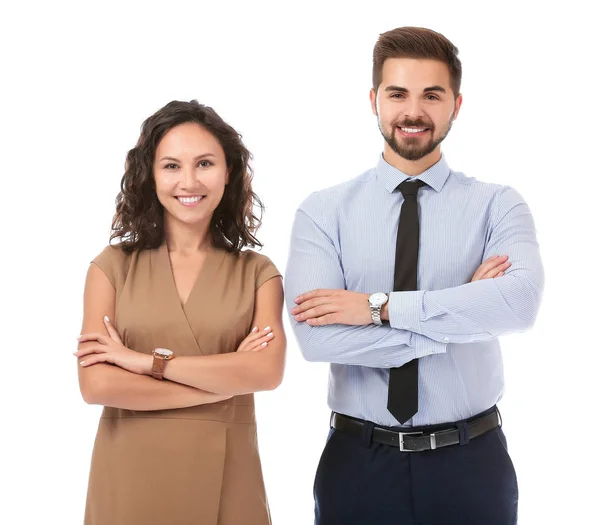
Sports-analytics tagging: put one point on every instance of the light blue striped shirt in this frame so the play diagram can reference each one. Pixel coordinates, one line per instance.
(345, 238)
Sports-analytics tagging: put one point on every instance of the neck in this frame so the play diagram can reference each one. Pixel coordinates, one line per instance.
(186, 239)
(411, 167)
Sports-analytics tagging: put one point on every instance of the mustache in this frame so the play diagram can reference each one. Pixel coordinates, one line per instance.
(419, 123)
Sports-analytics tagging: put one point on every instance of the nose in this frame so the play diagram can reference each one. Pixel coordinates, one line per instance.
(189, 178)
(413, 108)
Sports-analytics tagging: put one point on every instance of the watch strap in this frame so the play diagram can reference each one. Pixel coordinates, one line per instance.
(376, 314)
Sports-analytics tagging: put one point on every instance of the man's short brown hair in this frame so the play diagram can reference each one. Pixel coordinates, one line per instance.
(420, 43)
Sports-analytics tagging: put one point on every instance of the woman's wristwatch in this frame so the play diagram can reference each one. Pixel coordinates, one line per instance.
(160, 356)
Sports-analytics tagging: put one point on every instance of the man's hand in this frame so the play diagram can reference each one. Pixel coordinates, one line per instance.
(492, 267)
(323, 307)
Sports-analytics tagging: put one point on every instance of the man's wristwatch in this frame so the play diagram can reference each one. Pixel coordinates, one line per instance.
(376, 301)
(160, 356)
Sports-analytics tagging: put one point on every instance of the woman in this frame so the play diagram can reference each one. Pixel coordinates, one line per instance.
(176, 441)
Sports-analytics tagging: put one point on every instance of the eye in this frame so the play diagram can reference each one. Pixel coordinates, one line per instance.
(205, 163)
(397, 95)
(432, 97)
(171, 166)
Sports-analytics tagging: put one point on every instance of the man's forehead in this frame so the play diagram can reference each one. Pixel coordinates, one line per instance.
(415, 71)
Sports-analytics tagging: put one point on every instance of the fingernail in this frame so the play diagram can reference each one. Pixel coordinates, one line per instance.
(106, 319)
(294, 310)
(265, 343)
(82, 362)
(79, 337)
(267, 328)
(297, 317)
(270, 335)
(254, 329)
(297, 299)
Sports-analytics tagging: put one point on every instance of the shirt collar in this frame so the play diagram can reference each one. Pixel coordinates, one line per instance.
(391, 177)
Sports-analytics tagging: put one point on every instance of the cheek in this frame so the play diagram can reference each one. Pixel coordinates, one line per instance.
(388, 113)
(216, 183)
(164, 188)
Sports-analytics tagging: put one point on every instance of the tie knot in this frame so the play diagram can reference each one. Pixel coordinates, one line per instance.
(411, 187)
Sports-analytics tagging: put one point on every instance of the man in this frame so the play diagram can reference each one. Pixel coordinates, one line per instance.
(400, 279)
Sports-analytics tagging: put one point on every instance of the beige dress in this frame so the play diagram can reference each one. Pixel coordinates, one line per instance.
(196, 465)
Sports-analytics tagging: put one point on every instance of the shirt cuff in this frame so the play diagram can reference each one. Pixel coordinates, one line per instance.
(404, 310)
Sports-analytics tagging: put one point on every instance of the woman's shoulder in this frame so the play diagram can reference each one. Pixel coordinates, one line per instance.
(257, 264)
(113, 253)
(114, 261)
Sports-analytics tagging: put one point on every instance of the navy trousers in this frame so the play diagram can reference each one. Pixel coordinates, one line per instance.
(359, 482)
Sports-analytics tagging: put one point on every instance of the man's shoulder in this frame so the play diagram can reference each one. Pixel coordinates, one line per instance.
(332, 196)
(480, 187)
(460, 177)
(501, 196)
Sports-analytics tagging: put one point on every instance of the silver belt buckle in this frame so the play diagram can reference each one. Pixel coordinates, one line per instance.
(401, 440)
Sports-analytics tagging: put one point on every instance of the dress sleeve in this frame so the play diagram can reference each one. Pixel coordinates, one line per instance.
(266, 270)
(107, 261)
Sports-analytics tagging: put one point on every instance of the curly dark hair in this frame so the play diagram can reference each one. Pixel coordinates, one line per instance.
(138, 221)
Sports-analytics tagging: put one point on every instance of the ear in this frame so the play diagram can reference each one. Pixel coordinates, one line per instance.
(373, 98)
(457, 106)
(227, 176)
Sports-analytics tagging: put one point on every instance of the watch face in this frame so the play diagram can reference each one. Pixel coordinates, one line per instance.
(378, 299)
(163, 352)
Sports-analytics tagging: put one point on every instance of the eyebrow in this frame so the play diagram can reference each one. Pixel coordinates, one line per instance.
(427, 89)
(196, 158)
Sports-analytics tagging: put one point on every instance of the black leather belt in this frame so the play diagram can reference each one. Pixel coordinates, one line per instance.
(418, 441)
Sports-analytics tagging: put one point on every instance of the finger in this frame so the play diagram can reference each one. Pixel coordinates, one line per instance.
(312, 303)
(500, 274)
(319, 311)
(95, 349)
(261, 343)
(254, 336)
(112, 331)
(92, 360)
(312, 294)
(495, 271)
(322, 321)
(245, 340)
(259, 340)
(488, 265)
(479, 272)
(101, 338)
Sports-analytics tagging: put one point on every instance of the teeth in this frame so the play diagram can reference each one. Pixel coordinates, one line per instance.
(189, 200)
(413, 130)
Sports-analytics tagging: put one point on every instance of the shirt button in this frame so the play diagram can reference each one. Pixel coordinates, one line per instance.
(446, 339)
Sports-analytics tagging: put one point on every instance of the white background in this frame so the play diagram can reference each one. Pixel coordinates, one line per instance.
(77, 82)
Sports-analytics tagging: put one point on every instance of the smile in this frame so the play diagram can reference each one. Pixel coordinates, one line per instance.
(190, 201)
(412, 131)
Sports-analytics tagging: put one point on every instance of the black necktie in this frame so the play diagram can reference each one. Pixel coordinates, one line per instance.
(403, 390)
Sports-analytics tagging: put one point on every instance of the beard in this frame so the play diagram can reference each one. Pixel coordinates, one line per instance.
(414, 148)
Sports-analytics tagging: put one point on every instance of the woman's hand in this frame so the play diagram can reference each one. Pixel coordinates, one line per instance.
(111, 349)
(256, 340)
